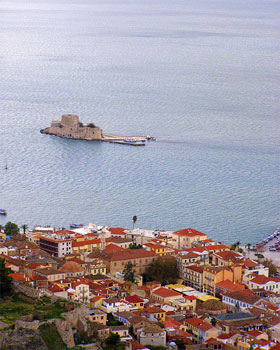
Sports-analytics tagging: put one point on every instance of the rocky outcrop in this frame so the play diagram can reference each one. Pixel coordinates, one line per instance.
(27, 332)
(71, 127)
(23, 339)
(74, 316)
(27, 325)
(65, 330)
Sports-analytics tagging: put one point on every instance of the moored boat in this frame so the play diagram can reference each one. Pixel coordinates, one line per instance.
(3, 212)
(73, 225)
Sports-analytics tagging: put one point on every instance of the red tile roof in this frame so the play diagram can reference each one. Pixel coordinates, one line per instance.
(254, 333)
(152, 309)
(189, 232)
(134, 299)
(226, 335)
(18, 277)
(117, 230)
(131, 254)
(230, 286)
(87, 242)
(216, 247)
(74, 285)
(165, 292)
(171, 323)
(77, 261)
(137, 346)
(155, 246)
(91, 235)
(110, 248)
(95, 299)
(198, 323)
(55, 289)
(71, 266)
(190, 297)
(33, 265)
(64, 232)
(248, 263)
(195, 268)
(39, 278)
(262, 279)
(229, 255)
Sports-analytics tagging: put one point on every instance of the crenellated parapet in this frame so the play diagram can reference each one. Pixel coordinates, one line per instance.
(70, 127)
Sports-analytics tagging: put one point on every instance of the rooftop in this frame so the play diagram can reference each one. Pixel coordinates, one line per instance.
(261, 279)
(189, 232)
(165, 292)
(237, 316)
(199, 323)
(71, 266)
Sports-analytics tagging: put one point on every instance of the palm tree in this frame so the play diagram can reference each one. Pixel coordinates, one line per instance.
(24, 227)
(134, 219)
(248, 245)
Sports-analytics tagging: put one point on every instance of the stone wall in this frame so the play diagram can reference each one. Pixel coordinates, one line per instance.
(34, 325)
(22, 339)
(29, 291)
(69, 127)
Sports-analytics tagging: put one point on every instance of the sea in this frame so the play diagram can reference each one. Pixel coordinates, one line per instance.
(202, 76)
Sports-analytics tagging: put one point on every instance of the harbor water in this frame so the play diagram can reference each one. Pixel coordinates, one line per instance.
(201, 76)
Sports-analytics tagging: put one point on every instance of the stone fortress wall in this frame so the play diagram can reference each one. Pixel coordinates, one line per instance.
(70, 127)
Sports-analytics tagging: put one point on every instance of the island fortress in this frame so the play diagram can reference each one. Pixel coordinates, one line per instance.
(71, 127)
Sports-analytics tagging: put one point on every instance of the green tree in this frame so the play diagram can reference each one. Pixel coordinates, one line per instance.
(5, 279)
(129, 272)
(112, 321)
(24, 227)
(135, 246)
(272, 269)
(91, 125)
(11, 228)
(180, 343)
(134, 219)
(114, 342)
(163, 270)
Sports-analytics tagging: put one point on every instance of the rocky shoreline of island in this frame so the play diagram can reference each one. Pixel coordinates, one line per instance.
(72, 128)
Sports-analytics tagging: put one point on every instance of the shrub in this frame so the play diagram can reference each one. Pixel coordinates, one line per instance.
(91, 125)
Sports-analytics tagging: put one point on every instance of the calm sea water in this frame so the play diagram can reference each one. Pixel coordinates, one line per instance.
(201, 76)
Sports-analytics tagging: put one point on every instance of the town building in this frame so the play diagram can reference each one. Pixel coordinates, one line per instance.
(116, 261)
(57, 246)
(186, 237)
(152, 334)
(267, 283)
(201, 329)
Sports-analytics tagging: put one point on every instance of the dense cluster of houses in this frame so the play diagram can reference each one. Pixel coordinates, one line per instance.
(221, 299)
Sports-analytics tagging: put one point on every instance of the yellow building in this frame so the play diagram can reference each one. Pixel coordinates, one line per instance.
(153, 312)
(159, 249)
(97, 267)
(214, 275)
(188, 303)
(2, 236)
(135, 301)
(81, 292)
(85, 246)
(96, 302)
(243, 345)
(97, 315)
(185, 238)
